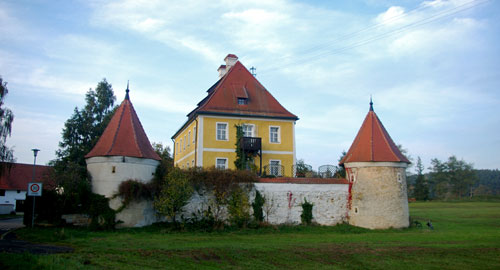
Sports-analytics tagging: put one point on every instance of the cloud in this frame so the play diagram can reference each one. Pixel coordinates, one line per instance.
(31, 129)
(393, 16)
(437, 38)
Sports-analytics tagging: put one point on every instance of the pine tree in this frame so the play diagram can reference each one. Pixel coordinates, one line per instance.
(421, 187)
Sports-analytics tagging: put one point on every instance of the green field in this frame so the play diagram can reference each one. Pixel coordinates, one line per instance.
(466, 235)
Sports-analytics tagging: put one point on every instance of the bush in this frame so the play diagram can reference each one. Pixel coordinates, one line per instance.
(306, 216)
(101, 215)
(133, 190)
(48, 208)
(257, 207)
(238, 208)
(175, 193)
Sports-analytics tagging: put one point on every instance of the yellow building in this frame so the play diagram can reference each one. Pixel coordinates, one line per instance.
(208, 138)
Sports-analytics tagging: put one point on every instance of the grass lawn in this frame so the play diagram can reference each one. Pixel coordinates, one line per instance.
(466, 235)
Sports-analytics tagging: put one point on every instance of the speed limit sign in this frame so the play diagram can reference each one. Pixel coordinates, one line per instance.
(35, 189)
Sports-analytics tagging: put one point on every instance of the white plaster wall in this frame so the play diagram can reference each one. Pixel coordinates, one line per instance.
(11, 196)
(106, 183)
(379, 198)
(137, 214)
(330, 202)
(330, 205)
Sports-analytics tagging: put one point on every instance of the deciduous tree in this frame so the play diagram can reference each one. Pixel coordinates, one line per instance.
(6, 119)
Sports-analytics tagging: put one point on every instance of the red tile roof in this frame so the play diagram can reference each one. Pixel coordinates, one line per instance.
(124, 136)
(239, 82)
(19, 175)
(373, 143)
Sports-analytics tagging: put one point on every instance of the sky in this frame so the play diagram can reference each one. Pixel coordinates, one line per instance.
(431, 67)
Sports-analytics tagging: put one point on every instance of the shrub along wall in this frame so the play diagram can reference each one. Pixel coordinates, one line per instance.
(221, 197)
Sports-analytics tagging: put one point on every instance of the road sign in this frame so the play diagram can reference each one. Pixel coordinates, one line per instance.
(35, 189)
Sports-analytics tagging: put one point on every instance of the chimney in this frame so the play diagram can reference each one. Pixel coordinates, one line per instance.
(222, 71)
(230, 60)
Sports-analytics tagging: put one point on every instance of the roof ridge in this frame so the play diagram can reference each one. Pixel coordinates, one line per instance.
(216, 89)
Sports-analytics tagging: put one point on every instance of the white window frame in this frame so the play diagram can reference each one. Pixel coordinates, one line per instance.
(177, 149)
(271, 167)
(217, 132)
(194, 134)
(225, 162)
(278, 137)
(189, 138)
(184, 146)
(253, 130)
(180, 148)
(192, 163)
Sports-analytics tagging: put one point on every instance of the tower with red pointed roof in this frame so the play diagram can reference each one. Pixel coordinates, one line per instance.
(208, 137)
(122, 153)
(376, 171)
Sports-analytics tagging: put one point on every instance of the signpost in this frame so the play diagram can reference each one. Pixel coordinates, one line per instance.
(34, 189)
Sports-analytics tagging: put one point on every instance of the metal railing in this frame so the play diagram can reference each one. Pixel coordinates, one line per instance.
(274, 170)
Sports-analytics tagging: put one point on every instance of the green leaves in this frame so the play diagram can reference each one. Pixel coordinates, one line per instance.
(6, 119)
(175, 193)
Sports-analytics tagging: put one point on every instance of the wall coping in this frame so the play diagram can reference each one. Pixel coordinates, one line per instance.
(291, 180)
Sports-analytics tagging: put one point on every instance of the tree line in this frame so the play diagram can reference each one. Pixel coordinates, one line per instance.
(452, 179)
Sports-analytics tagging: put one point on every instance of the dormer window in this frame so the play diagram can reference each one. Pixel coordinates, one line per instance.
(242, 101)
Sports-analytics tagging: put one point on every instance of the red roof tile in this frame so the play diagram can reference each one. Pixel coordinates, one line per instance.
(124, 136)
(239, 82)
(20, 175)
(373, 143)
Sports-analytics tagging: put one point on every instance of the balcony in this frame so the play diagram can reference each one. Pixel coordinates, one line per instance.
(251, 144)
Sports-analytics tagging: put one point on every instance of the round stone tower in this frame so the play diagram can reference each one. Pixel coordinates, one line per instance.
(376, 171)
(123, 152)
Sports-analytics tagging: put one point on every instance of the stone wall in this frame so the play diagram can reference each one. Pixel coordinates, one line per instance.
(379, 198)
(283, 203)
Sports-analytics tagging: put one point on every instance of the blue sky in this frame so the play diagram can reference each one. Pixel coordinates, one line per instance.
(432, 67)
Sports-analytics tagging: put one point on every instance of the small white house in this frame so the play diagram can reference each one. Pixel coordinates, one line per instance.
(14, 182)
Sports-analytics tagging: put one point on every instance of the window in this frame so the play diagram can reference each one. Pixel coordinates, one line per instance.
(184, 146)
(275, 167)
(221, 163)
(242, 101)
(274, 134)
(180, 149)
(189, 137)
(222, 131)
(177, 149)
(192, 163)
(2, 192)
(187, 165)
(113, 169)
(194, 133)
(248, 130)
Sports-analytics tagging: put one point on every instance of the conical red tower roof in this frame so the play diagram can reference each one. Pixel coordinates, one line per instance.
(124, 136)
(240, 83)
(373, 143)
